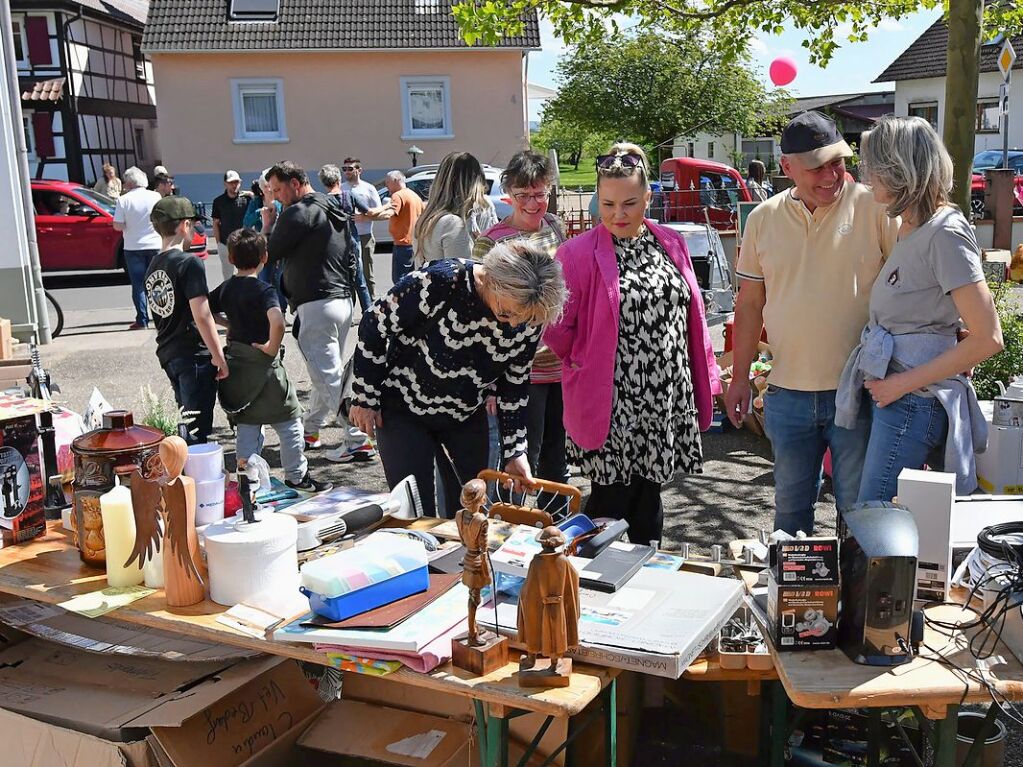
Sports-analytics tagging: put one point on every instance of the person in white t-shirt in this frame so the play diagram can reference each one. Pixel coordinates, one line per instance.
(141, 242)
(366, 194)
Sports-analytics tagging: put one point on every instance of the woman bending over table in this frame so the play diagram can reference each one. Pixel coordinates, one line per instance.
(932, 285)
(432, 348)
(638, 369)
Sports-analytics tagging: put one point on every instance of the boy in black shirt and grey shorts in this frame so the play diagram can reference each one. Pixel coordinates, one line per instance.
(258, 393)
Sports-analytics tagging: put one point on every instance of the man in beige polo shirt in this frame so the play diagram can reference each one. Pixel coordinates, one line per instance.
(809, 258)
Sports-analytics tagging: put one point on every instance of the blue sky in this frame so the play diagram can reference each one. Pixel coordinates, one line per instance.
(851, 70)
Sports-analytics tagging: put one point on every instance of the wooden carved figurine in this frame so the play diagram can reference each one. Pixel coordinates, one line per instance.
(477, 651)
(171, 497)
(548, 620)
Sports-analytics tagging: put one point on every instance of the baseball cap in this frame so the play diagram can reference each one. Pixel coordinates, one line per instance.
(814, 139)
(231, 175)
(174, 208)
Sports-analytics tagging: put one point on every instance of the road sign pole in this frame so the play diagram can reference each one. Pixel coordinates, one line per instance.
(1005, 123)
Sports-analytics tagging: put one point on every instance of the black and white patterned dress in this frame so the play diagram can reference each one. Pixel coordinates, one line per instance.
(654, 426)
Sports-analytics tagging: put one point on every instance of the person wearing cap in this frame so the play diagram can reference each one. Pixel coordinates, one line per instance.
(140, 240)
(808, 261)
(228, 215)
(187, 343)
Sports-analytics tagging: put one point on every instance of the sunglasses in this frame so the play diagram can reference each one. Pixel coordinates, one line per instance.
(350, 167)
(608, 161)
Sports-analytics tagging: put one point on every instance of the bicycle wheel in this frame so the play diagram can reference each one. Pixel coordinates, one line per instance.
(55, 313)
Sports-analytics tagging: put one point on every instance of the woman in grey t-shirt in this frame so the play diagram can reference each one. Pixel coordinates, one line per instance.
(929, 290)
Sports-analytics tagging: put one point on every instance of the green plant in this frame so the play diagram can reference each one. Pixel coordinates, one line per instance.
(1009, 362)
(161, 412)
(738, 159)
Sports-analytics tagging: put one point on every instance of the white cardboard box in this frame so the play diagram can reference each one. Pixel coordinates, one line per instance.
(1000, 467)
(929, 495)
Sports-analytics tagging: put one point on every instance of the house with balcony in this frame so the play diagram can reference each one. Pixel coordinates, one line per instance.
(87, 94)
(244, 83)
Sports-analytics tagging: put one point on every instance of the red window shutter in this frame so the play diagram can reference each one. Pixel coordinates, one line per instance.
(38, 40)
(42, 127)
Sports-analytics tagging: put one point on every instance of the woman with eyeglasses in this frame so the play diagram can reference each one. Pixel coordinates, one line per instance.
(527, 180)
(430, 351)
(638, 368)
(456, 213)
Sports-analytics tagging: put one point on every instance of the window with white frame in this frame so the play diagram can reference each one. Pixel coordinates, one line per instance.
(20, 41)
(710, 150)
(989, 113)
(258, 110)
(927, 110)
(426, 107)
(30, 137)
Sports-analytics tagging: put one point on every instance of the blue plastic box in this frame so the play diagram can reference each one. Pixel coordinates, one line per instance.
(379, 594)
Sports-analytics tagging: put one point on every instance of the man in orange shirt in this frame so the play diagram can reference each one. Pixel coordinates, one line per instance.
(406, 206)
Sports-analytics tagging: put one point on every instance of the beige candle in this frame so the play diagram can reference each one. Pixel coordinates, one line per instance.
(119, 531)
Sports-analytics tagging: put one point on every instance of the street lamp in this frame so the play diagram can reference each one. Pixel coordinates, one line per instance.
(413, 153)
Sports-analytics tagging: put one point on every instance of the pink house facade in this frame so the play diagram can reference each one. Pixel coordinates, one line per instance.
(244, 83)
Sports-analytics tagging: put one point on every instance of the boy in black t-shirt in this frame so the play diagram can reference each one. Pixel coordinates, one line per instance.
(259, 393)
(187, 343)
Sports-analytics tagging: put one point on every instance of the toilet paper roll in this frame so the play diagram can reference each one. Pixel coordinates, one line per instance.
(209, 500)
(244, 559)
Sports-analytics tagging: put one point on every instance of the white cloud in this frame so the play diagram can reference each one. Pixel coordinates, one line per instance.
(549, 41)
(891, 25)
(758, 46)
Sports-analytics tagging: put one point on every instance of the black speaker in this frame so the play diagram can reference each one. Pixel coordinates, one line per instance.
(879, 545)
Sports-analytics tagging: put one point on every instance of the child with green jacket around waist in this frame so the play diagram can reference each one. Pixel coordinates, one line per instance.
(259, 393)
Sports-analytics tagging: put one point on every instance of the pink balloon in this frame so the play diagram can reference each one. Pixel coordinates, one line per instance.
(782, 71)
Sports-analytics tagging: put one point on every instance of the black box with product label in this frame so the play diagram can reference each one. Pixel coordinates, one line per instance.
(805, 561)
(802, 617)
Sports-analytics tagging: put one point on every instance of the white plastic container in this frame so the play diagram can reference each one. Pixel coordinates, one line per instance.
(209, 500)
(204, 462)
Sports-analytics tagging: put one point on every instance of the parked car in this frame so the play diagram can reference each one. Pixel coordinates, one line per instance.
(75, 229)
(420, 179)
(697, 190)
(992, 158)
(710, 263)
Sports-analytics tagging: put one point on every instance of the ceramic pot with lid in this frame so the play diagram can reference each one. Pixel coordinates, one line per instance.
(119, 443)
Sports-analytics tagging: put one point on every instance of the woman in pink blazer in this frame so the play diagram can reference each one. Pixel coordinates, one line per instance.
(638, 369)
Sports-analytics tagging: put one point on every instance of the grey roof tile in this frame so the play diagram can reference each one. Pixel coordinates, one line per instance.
(927, 56)
(202, 25)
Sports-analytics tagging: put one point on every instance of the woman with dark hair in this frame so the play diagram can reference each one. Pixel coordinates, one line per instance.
(910, 357)
(527, 181)
(456, 213)
(638, 368)
(756, 181)
(429, 352)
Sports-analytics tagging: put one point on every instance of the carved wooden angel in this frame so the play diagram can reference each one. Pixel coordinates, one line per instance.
(171, 497)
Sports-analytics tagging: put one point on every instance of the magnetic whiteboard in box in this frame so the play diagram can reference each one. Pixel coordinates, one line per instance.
(929, 496)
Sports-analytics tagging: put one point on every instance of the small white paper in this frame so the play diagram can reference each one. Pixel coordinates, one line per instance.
(631, 599)
(418, 746)
(622, 546)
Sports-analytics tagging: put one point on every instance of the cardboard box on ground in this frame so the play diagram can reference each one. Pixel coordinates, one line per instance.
(754, 420)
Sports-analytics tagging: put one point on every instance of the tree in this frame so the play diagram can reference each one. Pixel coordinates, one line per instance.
(571, 140)
(649, 88)
(727, 25)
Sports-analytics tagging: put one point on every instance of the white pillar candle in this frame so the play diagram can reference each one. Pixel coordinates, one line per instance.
(152, 570)
(119, 534)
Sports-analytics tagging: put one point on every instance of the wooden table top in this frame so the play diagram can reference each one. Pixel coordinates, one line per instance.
(49, 570)
(945, 674)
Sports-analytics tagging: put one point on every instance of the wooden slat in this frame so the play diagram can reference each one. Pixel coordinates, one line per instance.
(49, 570)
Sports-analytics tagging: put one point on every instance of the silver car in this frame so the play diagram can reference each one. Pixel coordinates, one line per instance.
(420, 179)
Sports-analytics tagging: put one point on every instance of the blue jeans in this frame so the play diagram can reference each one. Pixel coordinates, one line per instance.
(271, 275)
(401, 262)
(902, 435)
(194, 381)
(801, 427)
(137, 263)
(360, 284)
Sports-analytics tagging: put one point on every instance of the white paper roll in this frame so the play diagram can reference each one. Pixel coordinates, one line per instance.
(245, 559)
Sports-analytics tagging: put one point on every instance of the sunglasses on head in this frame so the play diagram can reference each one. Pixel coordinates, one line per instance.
(608, 161)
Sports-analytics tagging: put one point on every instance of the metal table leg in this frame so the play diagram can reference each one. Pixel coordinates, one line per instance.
(945, 738)
(779, 719)
(493, 737)
(611, 723)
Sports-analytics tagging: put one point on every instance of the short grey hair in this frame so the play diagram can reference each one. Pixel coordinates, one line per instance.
(906, 156)
(136, 177)
(529, 276)
(330, 176)
(396, 175)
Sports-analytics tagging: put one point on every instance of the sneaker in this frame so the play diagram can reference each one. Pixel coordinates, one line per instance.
(309, 485)
(138, 326)
(312, 441)
(361, 454)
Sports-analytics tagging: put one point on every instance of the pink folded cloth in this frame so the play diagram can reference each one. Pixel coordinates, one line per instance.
(435, 653)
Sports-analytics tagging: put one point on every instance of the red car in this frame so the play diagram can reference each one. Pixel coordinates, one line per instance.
(75, 229)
